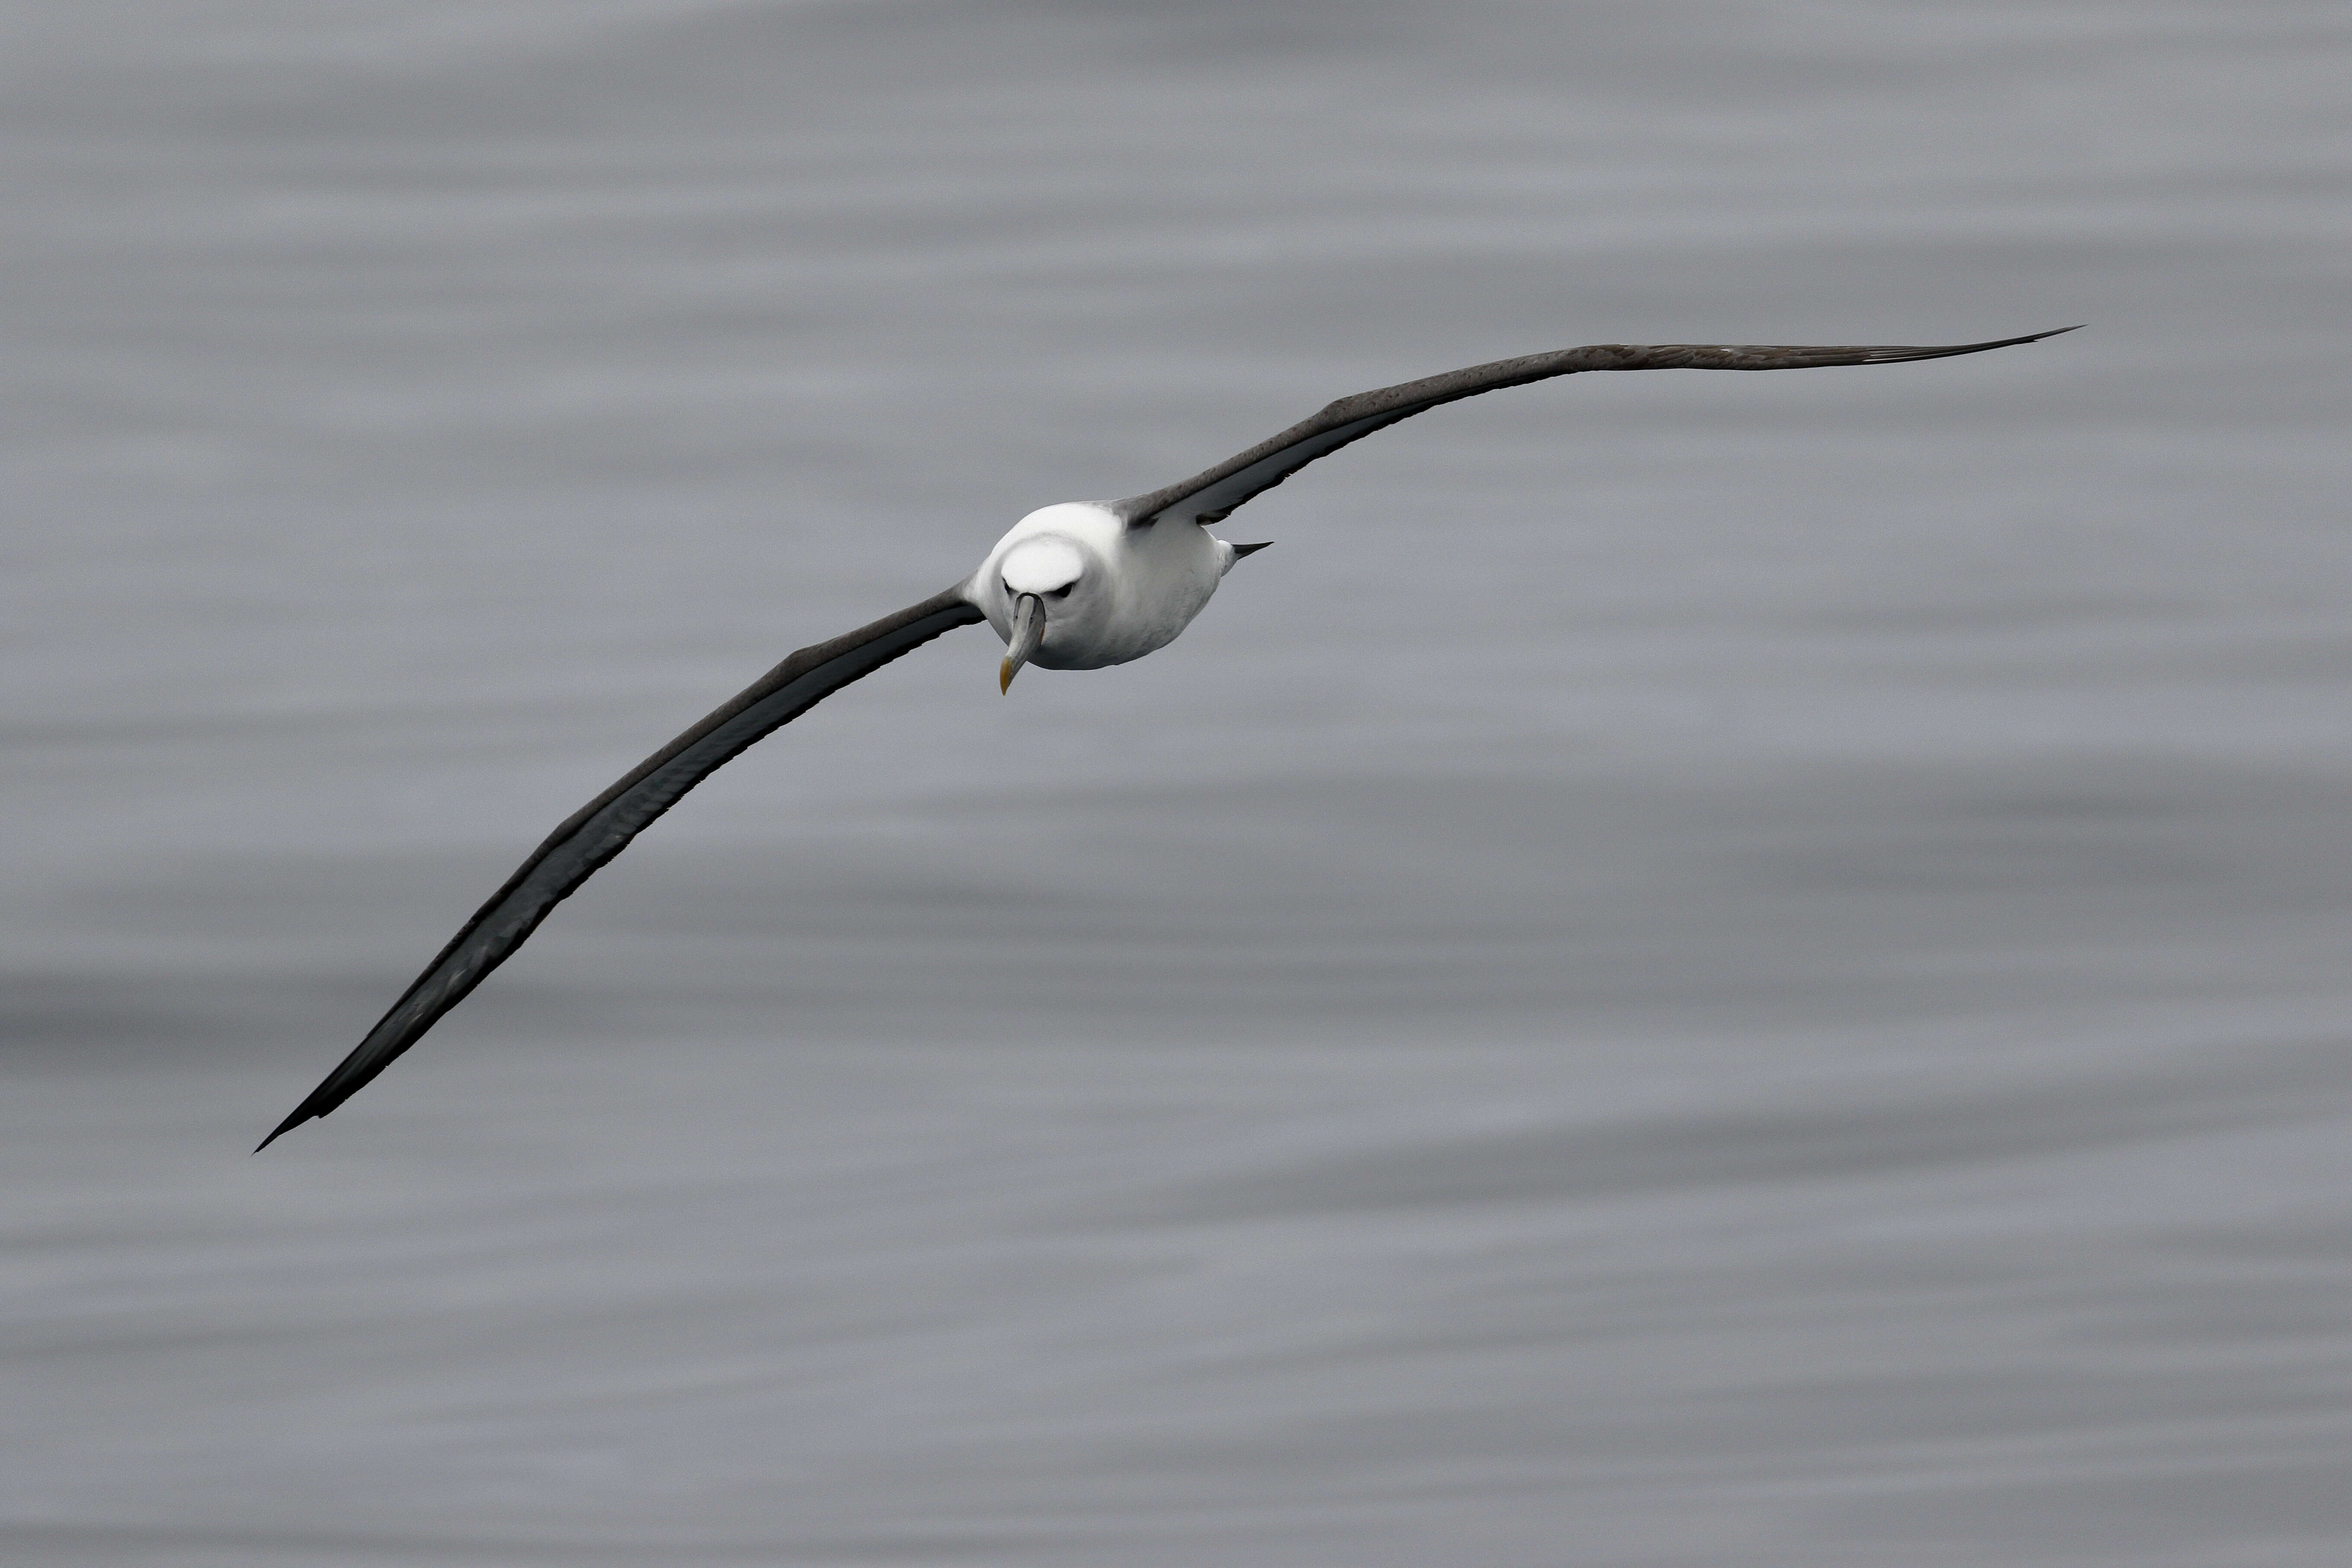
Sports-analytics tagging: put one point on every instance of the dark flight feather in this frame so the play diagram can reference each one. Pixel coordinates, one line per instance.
(603, 829)
(1210, 496)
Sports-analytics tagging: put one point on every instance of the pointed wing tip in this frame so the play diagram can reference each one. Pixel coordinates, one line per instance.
(284, 1127)
(1949, 350)
(2033, 337)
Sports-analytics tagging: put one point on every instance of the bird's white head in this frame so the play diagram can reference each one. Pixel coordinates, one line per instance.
(1045, 587)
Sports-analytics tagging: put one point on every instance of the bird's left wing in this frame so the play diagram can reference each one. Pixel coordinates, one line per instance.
(603, 829)
(1207, 496)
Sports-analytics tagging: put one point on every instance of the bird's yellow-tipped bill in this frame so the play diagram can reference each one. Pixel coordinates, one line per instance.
(1028, 629)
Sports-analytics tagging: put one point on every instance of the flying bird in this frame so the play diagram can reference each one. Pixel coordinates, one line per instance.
(1077, 586)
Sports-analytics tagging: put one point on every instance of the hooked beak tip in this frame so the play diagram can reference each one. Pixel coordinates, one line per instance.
(1027, 629)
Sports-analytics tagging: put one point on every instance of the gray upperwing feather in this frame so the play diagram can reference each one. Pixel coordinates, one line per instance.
(1209, 496)
(602, 828)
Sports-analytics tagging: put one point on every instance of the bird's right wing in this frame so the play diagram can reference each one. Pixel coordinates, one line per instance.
(603, 829)
(1209, 496)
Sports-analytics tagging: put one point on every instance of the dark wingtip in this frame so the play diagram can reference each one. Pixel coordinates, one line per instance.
(2032, 337)
(2028, 338)
(284, 1127)
(1949, 350)
(1241, 549)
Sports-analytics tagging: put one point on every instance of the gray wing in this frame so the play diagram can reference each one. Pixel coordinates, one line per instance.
(603, 829)
(1207, 496)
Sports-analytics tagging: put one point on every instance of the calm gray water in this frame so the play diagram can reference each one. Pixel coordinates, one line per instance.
(1697, 970)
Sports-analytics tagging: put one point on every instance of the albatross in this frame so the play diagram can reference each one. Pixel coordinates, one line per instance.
(1077, 586)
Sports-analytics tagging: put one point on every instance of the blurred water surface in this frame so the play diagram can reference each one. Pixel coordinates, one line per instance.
(1699, 970)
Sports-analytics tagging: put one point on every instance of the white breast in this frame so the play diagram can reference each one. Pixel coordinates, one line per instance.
(1140, 588)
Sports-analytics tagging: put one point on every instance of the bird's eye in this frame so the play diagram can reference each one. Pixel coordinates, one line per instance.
(1061, 593)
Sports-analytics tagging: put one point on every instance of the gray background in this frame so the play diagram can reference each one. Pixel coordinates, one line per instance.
(1697, 970)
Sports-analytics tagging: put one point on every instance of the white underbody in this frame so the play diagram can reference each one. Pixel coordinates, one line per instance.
(1139, 589)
